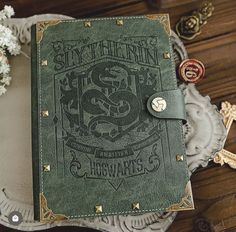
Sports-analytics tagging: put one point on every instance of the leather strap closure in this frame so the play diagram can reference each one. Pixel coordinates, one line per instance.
(167, 105)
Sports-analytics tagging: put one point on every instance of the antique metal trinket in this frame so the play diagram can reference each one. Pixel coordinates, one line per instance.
(188, 27)
(191, 70)
(229, 113)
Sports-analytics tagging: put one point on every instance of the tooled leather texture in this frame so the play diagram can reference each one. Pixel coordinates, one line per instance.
(102, 144)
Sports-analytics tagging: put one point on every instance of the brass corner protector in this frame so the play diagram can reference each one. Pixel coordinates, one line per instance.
(42, 26)
(186, 202)
(164, 19)
(228, 112)
(46, 214)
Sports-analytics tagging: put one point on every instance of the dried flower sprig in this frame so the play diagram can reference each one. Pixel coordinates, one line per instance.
(8, 44)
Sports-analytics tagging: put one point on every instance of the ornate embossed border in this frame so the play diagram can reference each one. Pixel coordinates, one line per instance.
(229, 113)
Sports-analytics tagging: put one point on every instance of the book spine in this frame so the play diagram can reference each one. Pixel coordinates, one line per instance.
(34, 112)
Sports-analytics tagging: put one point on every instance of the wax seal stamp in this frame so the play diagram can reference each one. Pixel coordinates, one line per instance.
(191, 70)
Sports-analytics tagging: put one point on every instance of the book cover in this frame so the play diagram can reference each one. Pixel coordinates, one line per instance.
(106, 119)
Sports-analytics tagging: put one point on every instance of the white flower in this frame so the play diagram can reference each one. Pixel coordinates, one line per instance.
(4, 64)
(16, 50)
(8, 42)
(4, 69)
(3, 40)
(2, 90)
(13, 48)
(2, 55)
(6, 31)
(8, 11)
(2, 16)
(6, 80)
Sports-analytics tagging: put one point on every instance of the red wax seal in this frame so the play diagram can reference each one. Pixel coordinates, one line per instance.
(191, 70)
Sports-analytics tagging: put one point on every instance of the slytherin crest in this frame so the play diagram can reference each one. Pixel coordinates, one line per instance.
(104, 101)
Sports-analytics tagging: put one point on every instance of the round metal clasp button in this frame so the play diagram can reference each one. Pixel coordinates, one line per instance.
(158, 104)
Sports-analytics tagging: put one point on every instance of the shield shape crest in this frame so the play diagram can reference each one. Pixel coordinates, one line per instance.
(107, 99)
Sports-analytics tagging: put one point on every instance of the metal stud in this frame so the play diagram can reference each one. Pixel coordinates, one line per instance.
(44, 62)
(45, 113)
(159, 104)
(119, 22)
(98, 208)
(179, 157)
(136, 205)
(46, 168)
(166, 55)
(87, 24)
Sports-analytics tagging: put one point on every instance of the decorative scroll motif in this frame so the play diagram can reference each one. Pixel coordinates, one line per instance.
(156, 221)
(42, 26)
(186, 202)
(47, 214)
(229, 113)
(21, 26)
(115, 173)
(163, 18)
(204, 132)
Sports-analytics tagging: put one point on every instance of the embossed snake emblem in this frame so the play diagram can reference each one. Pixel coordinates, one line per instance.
(112, 103)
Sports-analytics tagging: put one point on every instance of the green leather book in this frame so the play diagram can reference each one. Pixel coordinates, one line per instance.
(107, 119)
